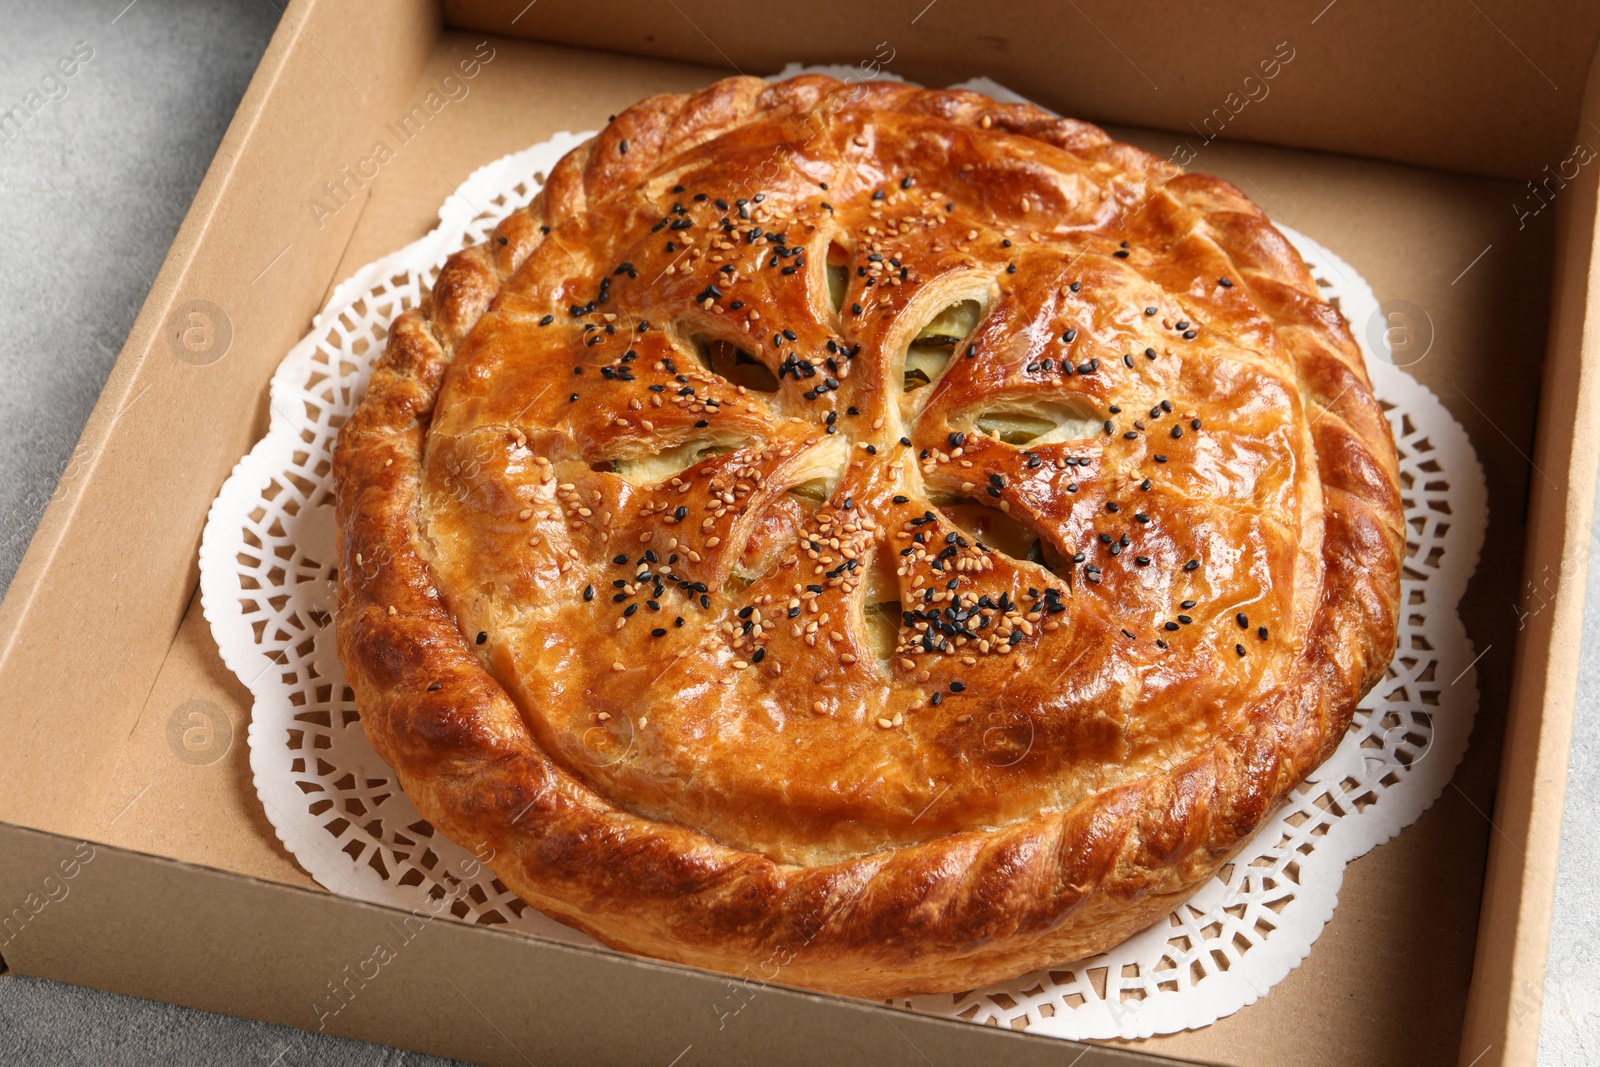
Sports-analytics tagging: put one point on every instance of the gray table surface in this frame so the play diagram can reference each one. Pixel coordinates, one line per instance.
(91, 194)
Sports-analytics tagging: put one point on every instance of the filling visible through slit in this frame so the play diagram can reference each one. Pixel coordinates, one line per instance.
(883, 629)
(816, 490)
(735, 364)
(1040, 422)
(1005, 534)
(657, 468)
(930, 351)
(838, 266)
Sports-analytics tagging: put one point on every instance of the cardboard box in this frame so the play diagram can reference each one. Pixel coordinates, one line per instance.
(1409, 141)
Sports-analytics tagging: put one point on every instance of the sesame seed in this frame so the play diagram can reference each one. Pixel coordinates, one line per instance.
(482, 636)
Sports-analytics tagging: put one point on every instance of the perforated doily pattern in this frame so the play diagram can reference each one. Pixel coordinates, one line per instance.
(267, 586)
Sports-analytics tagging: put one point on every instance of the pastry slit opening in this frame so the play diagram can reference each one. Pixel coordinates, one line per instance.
(935, 344)
(838, 272)
(1040, 422)
(657, 467)
(1004, 533)
(739, 367)
(883, 630)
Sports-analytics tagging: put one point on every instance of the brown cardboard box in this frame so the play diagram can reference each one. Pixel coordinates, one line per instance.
(1404, 139)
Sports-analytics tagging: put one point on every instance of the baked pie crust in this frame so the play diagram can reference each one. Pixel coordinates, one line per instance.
(874, 538)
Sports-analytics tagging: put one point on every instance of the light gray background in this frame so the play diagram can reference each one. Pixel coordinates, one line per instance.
(93, 191)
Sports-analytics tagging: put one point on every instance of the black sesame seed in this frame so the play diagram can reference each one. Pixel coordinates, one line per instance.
(1262, 633)
(1193, 564)
(1187, 604)
(958, 687)
(1225, 283)
(482, 636)
(1239, 649)
(629, 610)
(1177, 431)
(1194, 424)
(1171, 626)
(1185, 619)
(547, 320)
(1243, 620)
(588, 592)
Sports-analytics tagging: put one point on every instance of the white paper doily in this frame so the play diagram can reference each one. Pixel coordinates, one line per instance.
(267, 574)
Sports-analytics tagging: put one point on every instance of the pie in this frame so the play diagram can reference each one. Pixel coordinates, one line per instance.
(877, 539)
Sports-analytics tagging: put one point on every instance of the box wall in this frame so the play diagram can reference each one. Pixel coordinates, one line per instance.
(191, 420)
(302, 958)
(1491, 87)
(1508, 990)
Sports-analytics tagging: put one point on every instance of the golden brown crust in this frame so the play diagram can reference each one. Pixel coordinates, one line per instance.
(592, 623)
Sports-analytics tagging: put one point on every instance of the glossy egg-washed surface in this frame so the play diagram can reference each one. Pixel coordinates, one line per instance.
(1129, 517)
